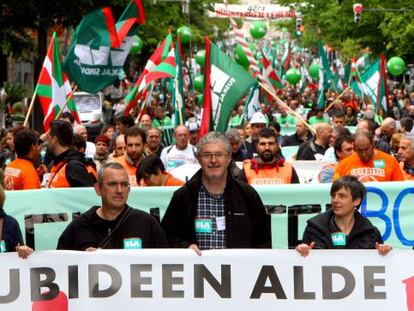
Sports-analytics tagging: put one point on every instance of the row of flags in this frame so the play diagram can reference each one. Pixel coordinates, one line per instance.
(100, 46)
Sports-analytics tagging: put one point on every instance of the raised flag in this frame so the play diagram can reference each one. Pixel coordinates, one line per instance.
(159, 54)
(326, 69)
(270, 74)
(127, 24)
(382, 90)
(99, 47)
(225, 82)
(363, 63)
(365, 85)
(53, 87)
(252, 103)
(178, 95)
(166, 69)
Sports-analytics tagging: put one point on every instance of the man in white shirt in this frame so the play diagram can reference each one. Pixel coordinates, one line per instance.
(181, 152)
(90, 146)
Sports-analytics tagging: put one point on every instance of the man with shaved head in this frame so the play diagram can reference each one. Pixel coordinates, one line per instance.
(368, 163)
(315, 149)
(181, 152)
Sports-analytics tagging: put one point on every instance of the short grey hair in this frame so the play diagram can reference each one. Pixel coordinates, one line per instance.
(233, 135)
(390, 122)
(103, 168)
(78, 127)
(410, 138)
(214, 137)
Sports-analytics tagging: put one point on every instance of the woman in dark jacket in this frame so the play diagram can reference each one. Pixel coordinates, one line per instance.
(343, 227)
(10, 235)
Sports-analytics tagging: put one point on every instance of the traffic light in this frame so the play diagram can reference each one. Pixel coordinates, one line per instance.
(299, 26)
(357, 12)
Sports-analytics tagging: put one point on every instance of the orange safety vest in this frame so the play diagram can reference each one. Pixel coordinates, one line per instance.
(58, 176)
(92, 171)
(281, 174)
(131, 170)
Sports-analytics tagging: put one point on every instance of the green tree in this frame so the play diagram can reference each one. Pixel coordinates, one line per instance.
(382, 28)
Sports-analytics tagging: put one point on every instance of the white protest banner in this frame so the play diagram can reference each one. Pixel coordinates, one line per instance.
(252, 11)
(218, 280)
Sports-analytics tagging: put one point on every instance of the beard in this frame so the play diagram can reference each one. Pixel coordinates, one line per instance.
(267, 156)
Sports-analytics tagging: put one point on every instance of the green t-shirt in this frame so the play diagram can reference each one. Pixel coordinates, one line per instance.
(313, 120)
(160, 123)
(288, 119)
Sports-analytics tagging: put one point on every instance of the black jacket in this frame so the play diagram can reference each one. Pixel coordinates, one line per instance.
(362, 236)
(308, 149)
(89, 230)
(11, 234)
(76, 171)
(247, 224)
(295, 140)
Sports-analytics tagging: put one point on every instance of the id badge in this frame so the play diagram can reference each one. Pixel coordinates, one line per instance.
(338, 239)
(133, 243)
(203, 225)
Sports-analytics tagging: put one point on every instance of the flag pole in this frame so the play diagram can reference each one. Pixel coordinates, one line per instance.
(295, 114)
(336, 99)
(26, 120)
(66, 102)
(179, 102)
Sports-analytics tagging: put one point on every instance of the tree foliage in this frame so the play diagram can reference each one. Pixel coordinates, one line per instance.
(20, 19)
(382, 29)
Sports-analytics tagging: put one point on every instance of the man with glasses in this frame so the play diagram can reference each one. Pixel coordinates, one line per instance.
(113, 225)
(213, 210)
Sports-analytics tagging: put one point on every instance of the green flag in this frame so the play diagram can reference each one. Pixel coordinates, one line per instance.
(225, 82)
(99, 47)
(365, 85)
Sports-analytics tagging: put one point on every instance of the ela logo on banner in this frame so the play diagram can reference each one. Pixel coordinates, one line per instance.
(203, 226)
(339, 239)
(132, 243)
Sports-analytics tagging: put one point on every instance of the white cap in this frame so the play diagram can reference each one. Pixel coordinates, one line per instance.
(258, 118)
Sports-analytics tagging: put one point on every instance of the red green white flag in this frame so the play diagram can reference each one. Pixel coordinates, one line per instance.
(166, 69)
(53, 87)
(160, 53)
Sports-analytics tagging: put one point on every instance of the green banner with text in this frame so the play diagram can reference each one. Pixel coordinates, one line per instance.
(44, 214)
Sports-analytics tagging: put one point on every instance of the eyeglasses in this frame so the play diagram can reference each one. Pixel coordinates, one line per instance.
(114, 184)
(211, 155)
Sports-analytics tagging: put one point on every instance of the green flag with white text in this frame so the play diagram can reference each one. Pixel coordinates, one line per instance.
(225, 82)
(99, 47)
